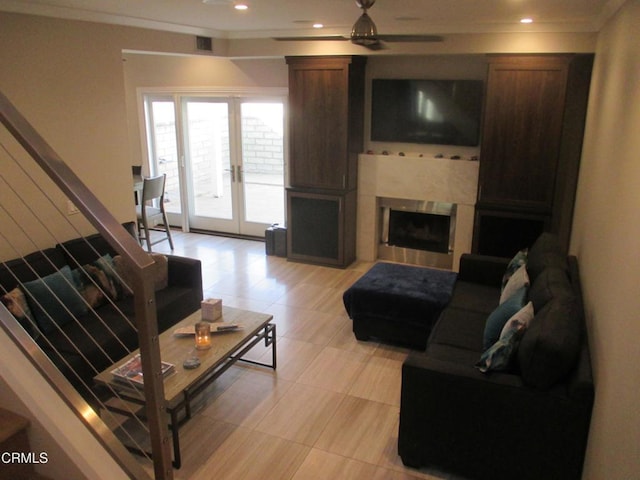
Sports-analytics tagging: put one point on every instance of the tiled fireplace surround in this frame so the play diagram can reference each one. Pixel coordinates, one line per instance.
(414, 178)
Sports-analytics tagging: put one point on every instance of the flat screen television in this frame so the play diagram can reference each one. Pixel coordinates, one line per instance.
(443, 112)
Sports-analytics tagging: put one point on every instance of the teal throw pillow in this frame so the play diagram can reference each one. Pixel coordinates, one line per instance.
(499, 317)
(54, 298)
(499, 356)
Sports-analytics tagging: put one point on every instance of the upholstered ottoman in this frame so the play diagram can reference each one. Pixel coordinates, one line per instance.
(398, 303)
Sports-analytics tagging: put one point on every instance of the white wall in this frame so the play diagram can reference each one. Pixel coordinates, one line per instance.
(606, 239)
(65, 77)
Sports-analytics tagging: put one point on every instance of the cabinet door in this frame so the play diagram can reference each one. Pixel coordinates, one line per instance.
(522, 131)
(321, 227)
(318, 102)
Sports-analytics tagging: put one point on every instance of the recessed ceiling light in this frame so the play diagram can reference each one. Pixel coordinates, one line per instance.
(526, 20)
(241, 6)
(318, 25)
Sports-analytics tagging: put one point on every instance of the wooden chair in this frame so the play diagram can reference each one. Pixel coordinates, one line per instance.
(149, 216)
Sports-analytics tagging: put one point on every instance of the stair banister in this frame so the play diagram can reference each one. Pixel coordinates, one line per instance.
(124, 244)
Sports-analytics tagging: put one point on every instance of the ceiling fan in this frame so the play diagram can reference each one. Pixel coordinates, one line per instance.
(365, 32)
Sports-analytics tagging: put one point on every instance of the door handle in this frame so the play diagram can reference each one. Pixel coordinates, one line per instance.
(240, 172)
(233, 173)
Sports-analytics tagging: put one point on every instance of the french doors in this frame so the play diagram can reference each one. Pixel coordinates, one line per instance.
(223, 157)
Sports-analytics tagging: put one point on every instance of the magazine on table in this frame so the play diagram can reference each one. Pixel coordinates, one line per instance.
(131, 371)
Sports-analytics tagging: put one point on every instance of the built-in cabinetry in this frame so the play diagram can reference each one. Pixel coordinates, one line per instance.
(326, 122)
(530, 150)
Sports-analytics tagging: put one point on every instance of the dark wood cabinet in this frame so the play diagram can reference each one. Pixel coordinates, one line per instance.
(530, 151)
(326, 121)
(326, 127)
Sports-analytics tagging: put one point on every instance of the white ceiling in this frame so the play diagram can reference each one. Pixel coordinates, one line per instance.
(266, 18)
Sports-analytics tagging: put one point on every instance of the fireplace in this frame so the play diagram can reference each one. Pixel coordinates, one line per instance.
(416, 231)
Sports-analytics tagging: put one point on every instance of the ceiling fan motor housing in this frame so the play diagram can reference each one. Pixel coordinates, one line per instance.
(365, 4)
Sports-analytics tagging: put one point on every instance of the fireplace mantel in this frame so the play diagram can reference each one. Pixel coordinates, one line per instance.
(416, 178)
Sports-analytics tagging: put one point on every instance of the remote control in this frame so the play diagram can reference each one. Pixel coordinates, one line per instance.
(222, 328)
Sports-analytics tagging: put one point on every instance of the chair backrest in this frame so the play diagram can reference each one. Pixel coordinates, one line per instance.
(153, 187)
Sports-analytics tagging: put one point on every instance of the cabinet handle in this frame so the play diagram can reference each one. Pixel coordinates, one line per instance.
(344, 181)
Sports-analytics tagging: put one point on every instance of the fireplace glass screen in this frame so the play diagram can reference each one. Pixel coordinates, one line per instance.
(419, 231)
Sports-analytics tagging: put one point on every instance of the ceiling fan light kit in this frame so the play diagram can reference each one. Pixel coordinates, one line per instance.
(364, 31)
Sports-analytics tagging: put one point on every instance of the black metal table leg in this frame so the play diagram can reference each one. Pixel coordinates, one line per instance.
(177, 459)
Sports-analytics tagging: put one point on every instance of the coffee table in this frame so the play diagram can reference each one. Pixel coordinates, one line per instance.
(181, 387)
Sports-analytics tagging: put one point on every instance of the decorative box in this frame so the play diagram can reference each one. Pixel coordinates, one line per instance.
(211, 309)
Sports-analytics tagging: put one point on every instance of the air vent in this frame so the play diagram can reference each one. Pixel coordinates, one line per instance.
(204, 44)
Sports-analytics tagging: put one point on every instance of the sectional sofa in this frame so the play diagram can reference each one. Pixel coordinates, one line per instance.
(103, 334)
(506, 401)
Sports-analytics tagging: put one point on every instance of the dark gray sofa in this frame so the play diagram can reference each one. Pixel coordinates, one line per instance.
(106, 336)
(530, 421)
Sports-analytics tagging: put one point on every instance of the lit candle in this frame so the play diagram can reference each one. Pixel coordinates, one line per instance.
(203, 335)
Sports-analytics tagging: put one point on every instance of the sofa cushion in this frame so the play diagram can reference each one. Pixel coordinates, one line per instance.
(459, 327)
(551, 282)
(545, 252)
(173, 304)
(519, 279)
(31, 267)
(105, 336)
(159, 271)
(54, 298)
(550, 346)
(499, 317)
(499, 356)
(84, 250)
(475, 296)
(461, 357)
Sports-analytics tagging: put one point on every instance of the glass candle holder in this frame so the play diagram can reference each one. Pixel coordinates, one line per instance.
(203, 335)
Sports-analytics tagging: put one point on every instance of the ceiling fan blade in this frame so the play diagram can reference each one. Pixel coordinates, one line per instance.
(411, 38)
(376, 46)
(311, 38)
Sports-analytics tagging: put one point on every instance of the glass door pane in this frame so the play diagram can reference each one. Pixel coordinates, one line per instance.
(163, 149)
(208, 159)
(262, 169)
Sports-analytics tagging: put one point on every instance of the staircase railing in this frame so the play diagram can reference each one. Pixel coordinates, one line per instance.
(142, 286)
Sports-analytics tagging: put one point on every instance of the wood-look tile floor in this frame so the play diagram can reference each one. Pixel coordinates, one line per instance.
(329, 411)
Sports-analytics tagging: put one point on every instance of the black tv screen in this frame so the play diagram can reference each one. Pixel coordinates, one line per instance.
(443, 112)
